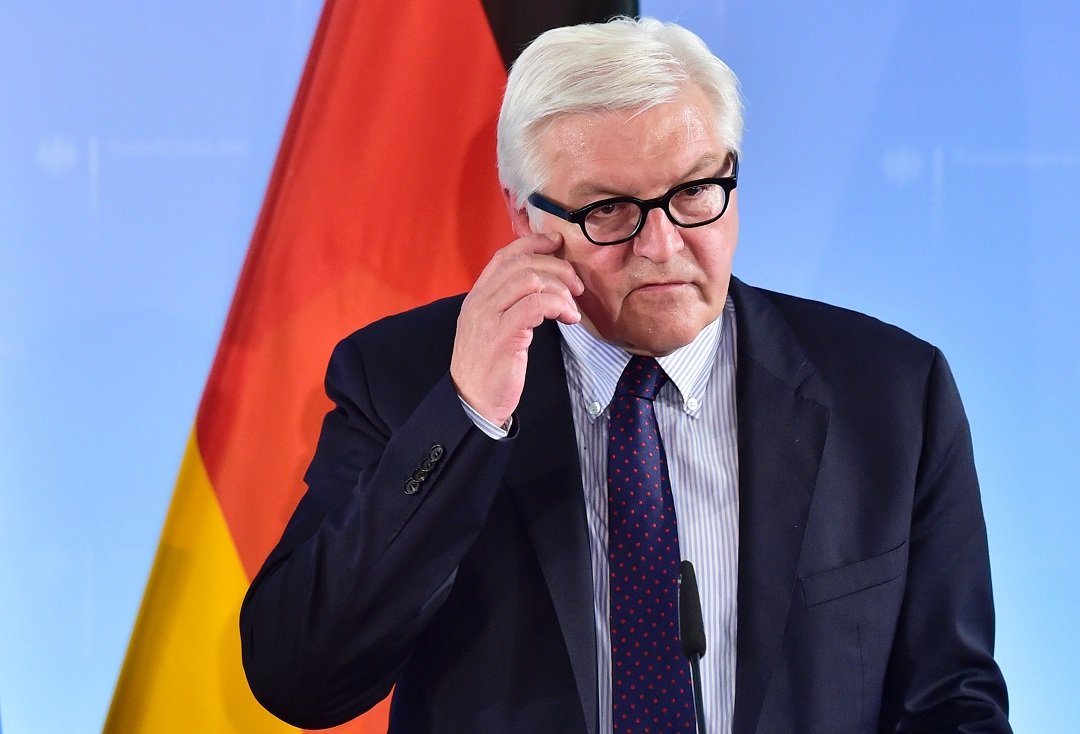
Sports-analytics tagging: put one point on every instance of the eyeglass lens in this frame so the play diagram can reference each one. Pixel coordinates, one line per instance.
(688, 206)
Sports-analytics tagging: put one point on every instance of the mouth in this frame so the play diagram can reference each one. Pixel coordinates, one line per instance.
(661, 287)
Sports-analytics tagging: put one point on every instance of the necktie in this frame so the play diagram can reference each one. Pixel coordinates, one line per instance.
(650, 680)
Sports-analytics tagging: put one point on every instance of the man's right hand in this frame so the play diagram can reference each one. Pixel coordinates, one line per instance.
(522, 285)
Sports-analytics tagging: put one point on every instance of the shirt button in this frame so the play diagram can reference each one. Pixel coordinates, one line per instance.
(595, 409)
(692, 403)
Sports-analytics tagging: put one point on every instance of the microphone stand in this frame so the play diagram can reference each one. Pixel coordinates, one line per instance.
(692, 634)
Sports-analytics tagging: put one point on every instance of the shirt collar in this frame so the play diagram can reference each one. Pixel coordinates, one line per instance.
(600, 364)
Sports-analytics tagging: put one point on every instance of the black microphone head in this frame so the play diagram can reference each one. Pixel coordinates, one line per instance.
(691, 625)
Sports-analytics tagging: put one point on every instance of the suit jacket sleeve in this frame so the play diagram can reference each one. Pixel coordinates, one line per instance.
(365, 562)
(942, 675)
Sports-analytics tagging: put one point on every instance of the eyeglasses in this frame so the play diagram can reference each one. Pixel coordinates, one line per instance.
(616, 220)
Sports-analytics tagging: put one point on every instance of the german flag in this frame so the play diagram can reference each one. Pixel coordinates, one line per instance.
(398, 100)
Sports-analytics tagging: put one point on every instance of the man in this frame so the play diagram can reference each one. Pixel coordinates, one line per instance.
(480, 534)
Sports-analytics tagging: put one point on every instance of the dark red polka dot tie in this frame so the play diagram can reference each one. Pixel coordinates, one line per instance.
(650, 679)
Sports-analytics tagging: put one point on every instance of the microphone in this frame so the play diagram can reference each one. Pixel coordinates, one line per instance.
(692, 633)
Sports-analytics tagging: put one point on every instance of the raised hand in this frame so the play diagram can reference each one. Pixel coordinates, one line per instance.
(522, 285)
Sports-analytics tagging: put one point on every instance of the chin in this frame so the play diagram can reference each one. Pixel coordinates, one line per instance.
(661, 339)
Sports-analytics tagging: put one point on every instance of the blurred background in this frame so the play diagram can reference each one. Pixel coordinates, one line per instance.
(916, 160)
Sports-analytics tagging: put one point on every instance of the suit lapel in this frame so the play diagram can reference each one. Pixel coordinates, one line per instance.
(546, 484)
(781, 436)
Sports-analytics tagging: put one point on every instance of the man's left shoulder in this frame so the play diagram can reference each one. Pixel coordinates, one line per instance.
(826, 328)
(845, 347)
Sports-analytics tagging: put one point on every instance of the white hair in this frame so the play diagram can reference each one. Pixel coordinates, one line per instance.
(624, 64)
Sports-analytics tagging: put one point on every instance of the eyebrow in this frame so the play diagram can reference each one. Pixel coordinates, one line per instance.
(706, 163)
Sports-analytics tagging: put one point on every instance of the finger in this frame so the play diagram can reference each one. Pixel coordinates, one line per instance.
(551, 244)
(533, 309)
(551, 292)
(515, 276)
(544, 244)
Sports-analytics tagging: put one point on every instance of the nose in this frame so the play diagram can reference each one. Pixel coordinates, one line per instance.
(659, 238)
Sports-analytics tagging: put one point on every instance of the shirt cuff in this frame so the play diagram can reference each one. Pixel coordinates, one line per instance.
(490, 429)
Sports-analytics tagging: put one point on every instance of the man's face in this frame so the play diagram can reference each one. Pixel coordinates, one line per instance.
(654, 293)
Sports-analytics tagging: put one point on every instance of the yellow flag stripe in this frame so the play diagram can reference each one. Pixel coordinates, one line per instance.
(182, 672)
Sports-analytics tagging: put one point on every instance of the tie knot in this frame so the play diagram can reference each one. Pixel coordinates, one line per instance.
(642, 378)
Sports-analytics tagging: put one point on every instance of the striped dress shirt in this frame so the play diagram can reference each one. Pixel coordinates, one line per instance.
(695, 411)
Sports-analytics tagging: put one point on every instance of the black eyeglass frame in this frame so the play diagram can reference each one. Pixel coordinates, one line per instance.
(578, 216)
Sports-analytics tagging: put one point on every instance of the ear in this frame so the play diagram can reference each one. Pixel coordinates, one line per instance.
(519, 218)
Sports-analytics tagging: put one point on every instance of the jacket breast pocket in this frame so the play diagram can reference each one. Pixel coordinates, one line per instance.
(837, 583)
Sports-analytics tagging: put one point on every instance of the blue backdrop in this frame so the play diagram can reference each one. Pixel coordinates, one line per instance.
(916, 160)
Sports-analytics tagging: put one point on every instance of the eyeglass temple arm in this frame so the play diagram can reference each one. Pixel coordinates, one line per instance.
(546, 206)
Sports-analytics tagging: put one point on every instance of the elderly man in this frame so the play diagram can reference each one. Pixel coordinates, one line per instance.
(502, 495)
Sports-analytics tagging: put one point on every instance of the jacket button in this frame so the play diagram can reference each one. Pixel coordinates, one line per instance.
(412, 486)
(435, 452)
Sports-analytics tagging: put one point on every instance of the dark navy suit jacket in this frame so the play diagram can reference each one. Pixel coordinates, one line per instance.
(429, 557)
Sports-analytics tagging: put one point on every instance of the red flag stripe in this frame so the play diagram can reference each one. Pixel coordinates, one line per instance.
(384, 196)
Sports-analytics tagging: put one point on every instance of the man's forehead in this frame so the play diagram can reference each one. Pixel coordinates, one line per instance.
(646, 127)
(621, 151)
